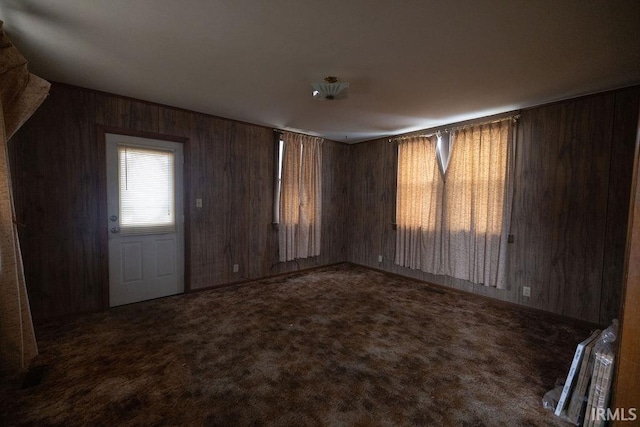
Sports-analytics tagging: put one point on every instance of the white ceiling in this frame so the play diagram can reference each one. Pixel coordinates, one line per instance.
(411, 64)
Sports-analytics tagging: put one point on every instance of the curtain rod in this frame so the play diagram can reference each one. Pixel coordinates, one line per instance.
(513, 117)
(280, 132)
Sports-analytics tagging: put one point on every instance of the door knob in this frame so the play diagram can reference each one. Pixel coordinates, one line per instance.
(115, 230)
(113, 218)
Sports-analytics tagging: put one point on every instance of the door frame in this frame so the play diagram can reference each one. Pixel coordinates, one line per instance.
(102, 197)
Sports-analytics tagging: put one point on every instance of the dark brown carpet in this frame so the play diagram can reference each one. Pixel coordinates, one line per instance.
(338, 346)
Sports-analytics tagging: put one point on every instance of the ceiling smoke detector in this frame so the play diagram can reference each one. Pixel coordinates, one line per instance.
(330, 90)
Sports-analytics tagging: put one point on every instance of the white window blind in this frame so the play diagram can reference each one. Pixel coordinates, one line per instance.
(147, 190)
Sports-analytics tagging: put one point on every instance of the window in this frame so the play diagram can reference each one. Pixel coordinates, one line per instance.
(146, 187)
(454, 220)
(298, 196)
(278, 181)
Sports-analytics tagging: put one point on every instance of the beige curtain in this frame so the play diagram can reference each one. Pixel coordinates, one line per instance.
(457, 224)
(301, 197)
(419, 215)
(21, 94)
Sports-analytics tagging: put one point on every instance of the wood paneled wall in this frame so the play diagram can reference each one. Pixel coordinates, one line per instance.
(574, 166)
(626, 387)
(55, 169)
(573, 172)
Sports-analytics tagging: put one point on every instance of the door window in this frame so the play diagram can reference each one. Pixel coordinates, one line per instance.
(147, 193)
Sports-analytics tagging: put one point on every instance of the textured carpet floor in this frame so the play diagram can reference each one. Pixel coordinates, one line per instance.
(338, 346)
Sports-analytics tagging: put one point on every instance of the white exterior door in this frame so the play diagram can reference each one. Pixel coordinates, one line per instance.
(146, 221)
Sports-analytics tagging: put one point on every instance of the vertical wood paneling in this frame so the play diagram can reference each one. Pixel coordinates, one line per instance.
(388, 199)
(221, 235)
(536, 191)
(222, 198)
(583, 141)
(126, 113)
(335, 166)
(625, 123)
(626, 386)
(263, 237)
(179, 123)
(561, 202)
(368, 189)
(53, 167)
(202, 168)
(239, 215)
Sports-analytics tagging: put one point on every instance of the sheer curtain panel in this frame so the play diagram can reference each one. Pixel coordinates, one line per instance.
(457, 223)
(418, 205)
(301, 197)
(21, 93)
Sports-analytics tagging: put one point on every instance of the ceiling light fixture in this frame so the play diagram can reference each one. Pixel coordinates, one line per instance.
(331, 89)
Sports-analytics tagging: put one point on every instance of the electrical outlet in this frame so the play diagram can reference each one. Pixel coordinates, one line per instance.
(379, 258)
(526, 291)
(198, 203)
(236, 268)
